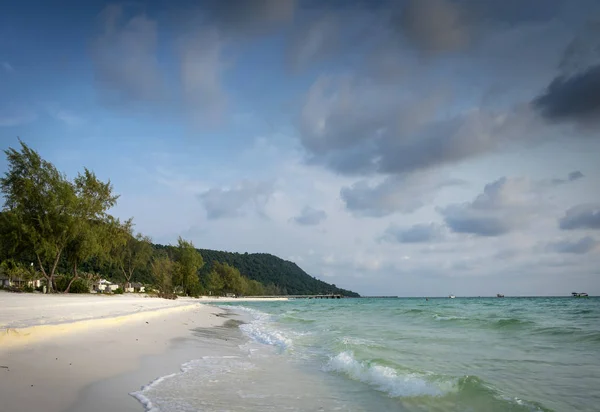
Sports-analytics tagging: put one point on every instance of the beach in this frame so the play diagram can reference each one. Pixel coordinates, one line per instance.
(53, 347)
(131, 353)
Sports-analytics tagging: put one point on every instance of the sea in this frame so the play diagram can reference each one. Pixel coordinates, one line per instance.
(396, 354)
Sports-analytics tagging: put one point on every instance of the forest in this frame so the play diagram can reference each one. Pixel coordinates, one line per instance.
(57, 235)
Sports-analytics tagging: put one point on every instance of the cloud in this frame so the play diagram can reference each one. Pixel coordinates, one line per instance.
(125, 58)
(310, 217)
(584, 245)
(576, 175)
(201, 70)
(231, 202)
(433, 25)
(504, 206)
(317, 39)
(249, 16)
(584, 216)
(66, 116)
(573, 176)
(575, 98)
(574, 95)
(419, 233)
(397, 193)
(359, 126)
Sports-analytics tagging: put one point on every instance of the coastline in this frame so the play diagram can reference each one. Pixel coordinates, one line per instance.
(54, 347)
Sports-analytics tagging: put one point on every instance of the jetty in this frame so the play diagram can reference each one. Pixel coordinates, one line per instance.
(329, 296)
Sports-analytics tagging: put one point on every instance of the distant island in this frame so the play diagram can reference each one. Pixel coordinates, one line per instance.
(57, 235)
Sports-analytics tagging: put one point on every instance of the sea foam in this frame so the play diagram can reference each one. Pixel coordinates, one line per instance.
(384, 378)
(261, 329)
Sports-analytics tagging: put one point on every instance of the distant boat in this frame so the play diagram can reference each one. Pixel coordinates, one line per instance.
(499, 295)
(579, 294)
(452, 296)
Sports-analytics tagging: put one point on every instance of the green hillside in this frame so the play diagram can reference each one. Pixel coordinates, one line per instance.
(270, 270)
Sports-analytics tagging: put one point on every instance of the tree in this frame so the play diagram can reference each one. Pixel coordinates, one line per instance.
(255, 288)
(94, 227)
(231, 278)
(188, 261)
(41, 205)
(163, 270)
(215, 283)
(130, 253)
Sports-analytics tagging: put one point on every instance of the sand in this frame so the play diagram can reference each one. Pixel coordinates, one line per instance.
(54, 346)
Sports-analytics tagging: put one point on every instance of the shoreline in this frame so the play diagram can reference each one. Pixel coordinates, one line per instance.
(54, 347)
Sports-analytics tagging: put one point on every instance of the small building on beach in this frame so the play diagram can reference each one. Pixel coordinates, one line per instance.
(135, 287)
(5, 281)
(103, 285)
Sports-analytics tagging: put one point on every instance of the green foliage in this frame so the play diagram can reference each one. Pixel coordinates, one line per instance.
(188, 262)
(77, 285)
(163, 270)
(28, 289)
(224, 278)
(214, 283)
(279, 277)
(118, 291)
(41, 205)
(130, 253)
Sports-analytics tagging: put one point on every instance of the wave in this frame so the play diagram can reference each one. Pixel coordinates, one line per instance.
(473, 388)
(353, 341)
(293, 319)
(575, 333)
(467, 390)
(512, 323)
(261, 329)
(386, 379)
(442, 318)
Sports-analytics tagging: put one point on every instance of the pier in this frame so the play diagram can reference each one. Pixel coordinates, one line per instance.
(330, 296)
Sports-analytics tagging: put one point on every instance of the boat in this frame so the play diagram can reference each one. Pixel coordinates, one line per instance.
(499, 295)
(452, 296)
(579, 294)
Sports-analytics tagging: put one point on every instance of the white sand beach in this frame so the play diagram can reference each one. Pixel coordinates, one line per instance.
(54, 346)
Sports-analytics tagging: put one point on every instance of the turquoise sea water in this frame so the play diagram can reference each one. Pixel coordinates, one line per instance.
(464, 354)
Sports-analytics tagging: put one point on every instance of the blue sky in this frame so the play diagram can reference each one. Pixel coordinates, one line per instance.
(390, 147)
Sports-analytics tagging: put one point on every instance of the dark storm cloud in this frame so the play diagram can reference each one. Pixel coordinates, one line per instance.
(585, 216)
(574, 98)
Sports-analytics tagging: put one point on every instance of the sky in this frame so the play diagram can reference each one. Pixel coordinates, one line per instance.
(407, 147)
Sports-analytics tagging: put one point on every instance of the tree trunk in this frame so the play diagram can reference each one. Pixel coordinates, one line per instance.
(48, 278)
(54, 267)
(127, 275)
(75, 276)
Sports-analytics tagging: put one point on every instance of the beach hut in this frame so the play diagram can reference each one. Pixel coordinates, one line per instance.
(103, 285)
(5, 281)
